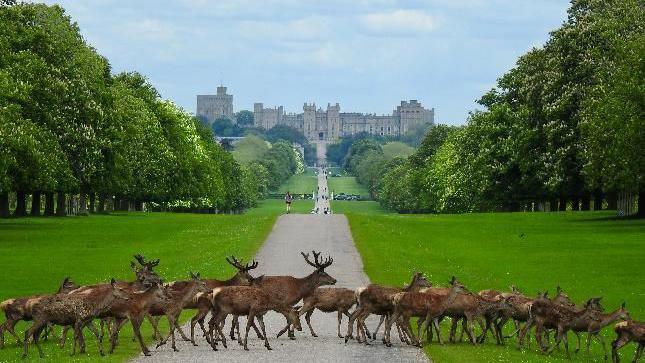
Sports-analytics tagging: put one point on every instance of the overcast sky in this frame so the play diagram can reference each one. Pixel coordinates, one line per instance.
(366, 55)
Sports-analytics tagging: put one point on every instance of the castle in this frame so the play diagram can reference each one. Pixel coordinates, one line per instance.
(316, 123)
(331, 124)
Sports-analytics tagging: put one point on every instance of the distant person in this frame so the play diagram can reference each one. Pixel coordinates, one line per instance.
(288, 199)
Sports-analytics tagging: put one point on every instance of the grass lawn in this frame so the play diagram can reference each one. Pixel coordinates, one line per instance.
(37, 253)
(347, 185)
(353, 206)
(304, 183)
(277, 206)
(587, 253)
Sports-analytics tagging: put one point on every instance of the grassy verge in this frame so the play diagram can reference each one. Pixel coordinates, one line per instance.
(362, 207)
(277, 206)
(347, 185)
(304, 183)
(37, 253)
(588, 254)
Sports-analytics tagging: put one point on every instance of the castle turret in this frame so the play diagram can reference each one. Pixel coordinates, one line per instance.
(309, 121)
(333, 121)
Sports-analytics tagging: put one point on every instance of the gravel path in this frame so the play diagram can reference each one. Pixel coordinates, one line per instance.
(280, 255)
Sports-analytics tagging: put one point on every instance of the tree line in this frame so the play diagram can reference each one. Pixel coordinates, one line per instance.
(72, 130)
(563, 128)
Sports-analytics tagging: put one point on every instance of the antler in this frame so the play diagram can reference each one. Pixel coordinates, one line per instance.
(142, 261)
(317, 263)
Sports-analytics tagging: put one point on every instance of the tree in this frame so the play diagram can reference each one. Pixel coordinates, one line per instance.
(244, 118)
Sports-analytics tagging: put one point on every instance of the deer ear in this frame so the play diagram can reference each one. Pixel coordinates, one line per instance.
(623, 305)
(258, 280)
(113, 282)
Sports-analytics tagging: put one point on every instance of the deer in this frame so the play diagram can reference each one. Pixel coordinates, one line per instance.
(203, 304)
(181, 294)
(145, 277)
(291, 290)
(628, 331)
(135, 310)
(328, 300)
(424, 303)
(18, 309)
(77, 308)
(376, 299)
(251, 301)
(589, 320)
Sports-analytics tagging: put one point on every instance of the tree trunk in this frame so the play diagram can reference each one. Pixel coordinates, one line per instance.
(4, 204)
(612, 200)
(92, 199)
(35, 204)
(82, 204)
(597, 200)
(60, 204)
(562, 206)
(641, 203)
(21, 204)
(101, 204)
(49, 204)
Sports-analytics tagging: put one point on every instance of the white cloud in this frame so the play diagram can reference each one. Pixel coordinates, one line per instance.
(399, 22)
(303, 29)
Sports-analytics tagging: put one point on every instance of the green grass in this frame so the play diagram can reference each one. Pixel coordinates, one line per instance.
(362, 207)
(304, 183)
(277, 206)
(347, 185)
(588, 254)
(37, 253)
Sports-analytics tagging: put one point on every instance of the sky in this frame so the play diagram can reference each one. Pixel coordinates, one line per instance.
(365, 55)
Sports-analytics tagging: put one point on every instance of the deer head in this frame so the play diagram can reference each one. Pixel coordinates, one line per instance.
(322, 277)
(594, 304)
(562, 299)
(67, 285)
(199, 285)
(145, 274)
(243, 274)
(147, 265)
(118, 292)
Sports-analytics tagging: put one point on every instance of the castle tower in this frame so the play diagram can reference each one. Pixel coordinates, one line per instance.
(333, 122)
(309, 121)
(258, 115)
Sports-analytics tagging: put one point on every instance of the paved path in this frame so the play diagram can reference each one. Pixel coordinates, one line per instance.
(280, 255)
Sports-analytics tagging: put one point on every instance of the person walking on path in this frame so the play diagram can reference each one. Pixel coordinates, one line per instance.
(288, 199)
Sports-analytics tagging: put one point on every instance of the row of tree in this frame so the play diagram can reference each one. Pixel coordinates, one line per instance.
(69, 127)
(564, 127)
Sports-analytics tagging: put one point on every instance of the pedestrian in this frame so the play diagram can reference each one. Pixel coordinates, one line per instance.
(288, 199)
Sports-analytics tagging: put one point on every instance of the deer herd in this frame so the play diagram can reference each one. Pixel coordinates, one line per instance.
(113, 304)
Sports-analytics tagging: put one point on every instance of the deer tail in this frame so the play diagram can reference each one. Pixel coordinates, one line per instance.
(357, 295)
(216, 291)
(5, 304)
(198, 296)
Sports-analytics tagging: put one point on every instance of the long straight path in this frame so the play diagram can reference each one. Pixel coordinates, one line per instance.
(280, 255)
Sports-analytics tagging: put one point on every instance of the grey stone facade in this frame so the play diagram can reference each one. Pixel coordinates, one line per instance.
(331, 124)
(212, 107)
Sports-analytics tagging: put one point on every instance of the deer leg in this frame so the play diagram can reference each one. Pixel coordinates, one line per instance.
(237, 328)
(484, 327)
(340, 320)
(361, 328)
(9, 326)
(199, 317)
(602, 343)
(308, 320)
(264, 332)
(453, 329)
(620, 342)
(350, 324)
(639, 352)
(136, 328)
(248, 327)
(97, 334)
(378, 326)
(34, 332)
(386, 331)
(523, 331)
(211, 328)
(154, 321)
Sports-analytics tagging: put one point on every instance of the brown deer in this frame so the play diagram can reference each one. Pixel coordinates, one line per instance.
(145, 277)
(18, 309)
(290, 290)
(251, 301)
(589, 320)
(424, 303)
(181, 294)
(328, 300)
(628, 331)
(203, 304)
(376, 299)
(135, 310)
(75, 308)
